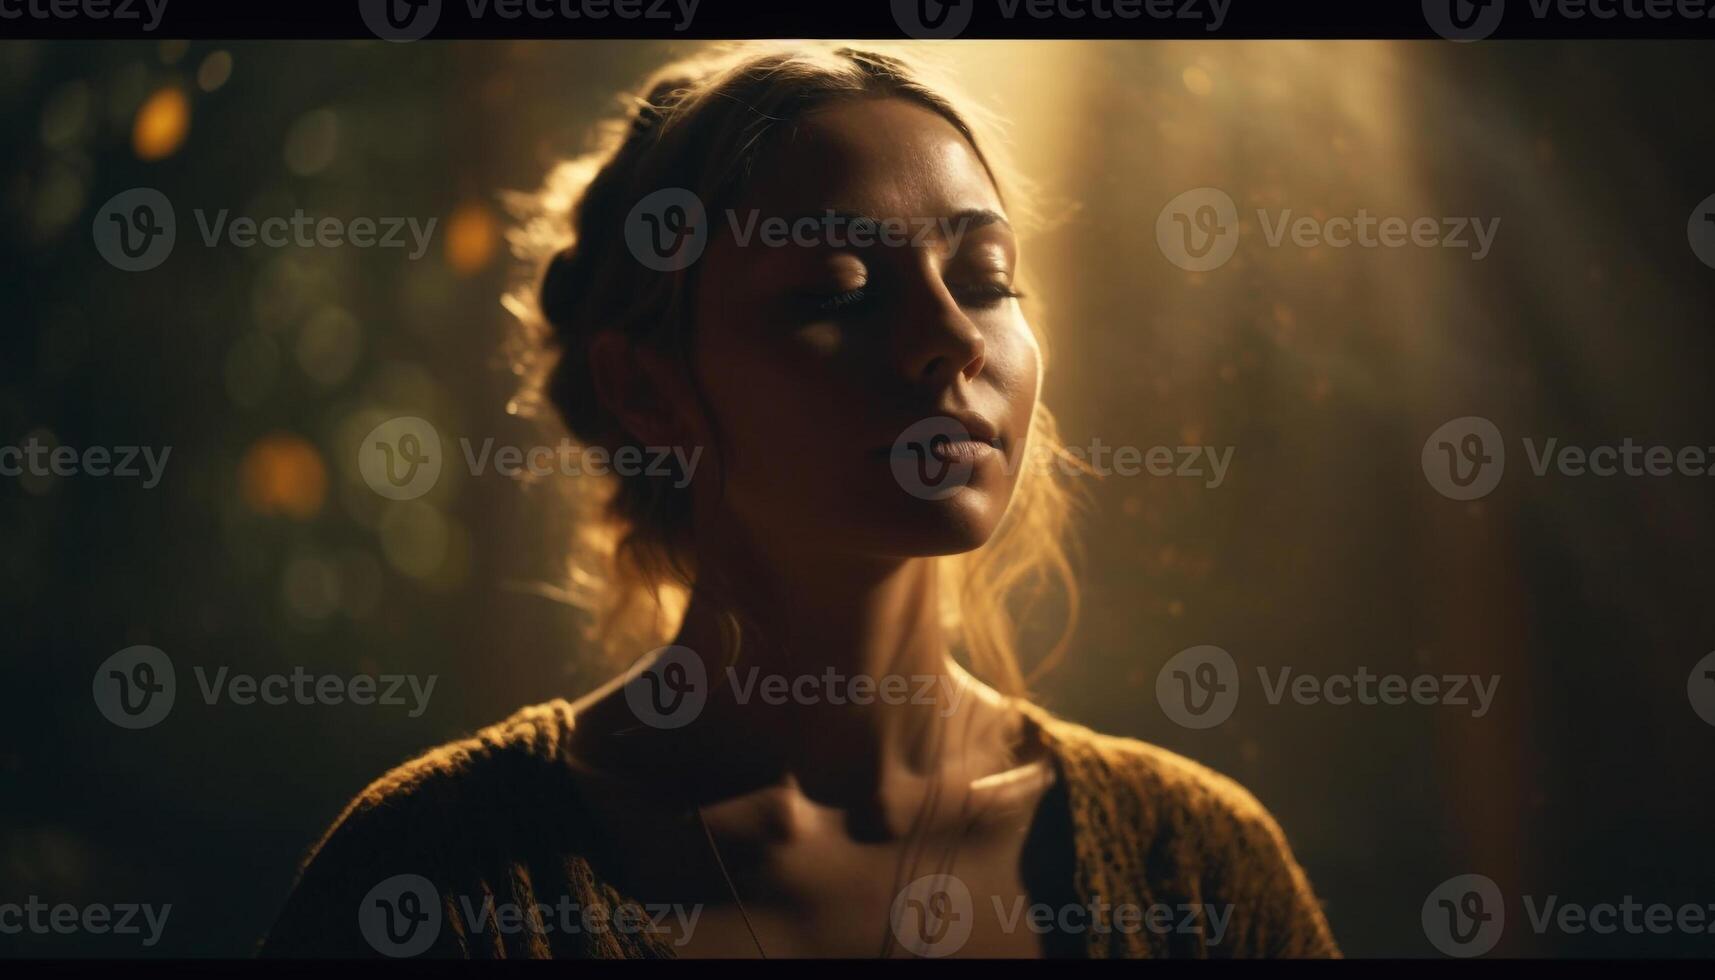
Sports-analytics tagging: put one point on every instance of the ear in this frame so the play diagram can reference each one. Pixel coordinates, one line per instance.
(643, 389)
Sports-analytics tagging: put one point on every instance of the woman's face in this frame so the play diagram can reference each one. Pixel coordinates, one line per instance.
(872, 383)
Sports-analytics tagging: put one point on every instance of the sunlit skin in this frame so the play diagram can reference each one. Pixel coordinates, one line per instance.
(812, 361)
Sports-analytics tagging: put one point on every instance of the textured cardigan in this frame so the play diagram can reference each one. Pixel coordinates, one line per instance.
(493, 822)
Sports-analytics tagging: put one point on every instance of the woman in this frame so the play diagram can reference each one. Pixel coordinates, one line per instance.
(806, 770)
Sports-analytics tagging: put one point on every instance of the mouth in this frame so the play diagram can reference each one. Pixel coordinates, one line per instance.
(946, 448)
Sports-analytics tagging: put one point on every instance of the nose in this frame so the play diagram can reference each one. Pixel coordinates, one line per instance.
(940, 345)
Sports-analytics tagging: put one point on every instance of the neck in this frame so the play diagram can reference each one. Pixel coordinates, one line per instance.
(842, 681)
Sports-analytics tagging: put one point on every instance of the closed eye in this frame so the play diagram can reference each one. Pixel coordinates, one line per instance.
(981, 296)
(841, 301)
(985, 295)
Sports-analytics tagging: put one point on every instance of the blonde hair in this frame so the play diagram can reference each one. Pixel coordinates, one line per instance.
(701, 124)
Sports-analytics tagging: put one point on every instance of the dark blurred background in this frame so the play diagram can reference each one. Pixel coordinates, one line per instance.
(1325, 549)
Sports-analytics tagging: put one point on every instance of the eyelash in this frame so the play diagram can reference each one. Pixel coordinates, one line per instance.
(984, 296)
(840, 301)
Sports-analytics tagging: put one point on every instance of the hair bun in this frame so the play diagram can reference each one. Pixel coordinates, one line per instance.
(562, 285)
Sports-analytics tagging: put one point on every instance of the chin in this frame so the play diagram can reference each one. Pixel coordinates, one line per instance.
(958, 524)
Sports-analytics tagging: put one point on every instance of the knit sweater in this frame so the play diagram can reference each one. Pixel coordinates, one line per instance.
(493, 822)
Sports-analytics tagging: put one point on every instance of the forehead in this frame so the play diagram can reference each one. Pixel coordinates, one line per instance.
(882, 157)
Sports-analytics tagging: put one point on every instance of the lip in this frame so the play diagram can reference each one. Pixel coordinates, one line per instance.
(961, 450)
(962, 437)
(981, 429)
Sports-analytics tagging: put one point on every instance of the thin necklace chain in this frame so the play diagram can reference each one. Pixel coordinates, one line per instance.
(716, 851)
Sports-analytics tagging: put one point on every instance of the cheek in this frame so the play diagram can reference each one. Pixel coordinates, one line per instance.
(1014, 367)
(775, 401)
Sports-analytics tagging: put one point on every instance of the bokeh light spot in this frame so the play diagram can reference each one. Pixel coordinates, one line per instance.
(1197, 81)
(214, 71)
(283, 474)
(162, 124)
(472, 236)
